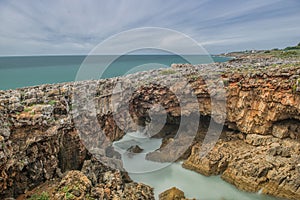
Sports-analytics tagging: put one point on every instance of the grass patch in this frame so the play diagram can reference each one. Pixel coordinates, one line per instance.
(193, 77)
(69, 196)
(65, 189)
(52, 102)
(296, 86)
(43, 196)
(168, 72)
(88, 197)
(27, 109)
(7, 124)
(287, 53)
(288, 65)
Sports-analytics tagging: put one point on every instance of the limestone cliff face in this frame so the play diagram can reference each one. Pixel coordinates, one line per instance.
(259, 102)
(40, 140)
(39, 143)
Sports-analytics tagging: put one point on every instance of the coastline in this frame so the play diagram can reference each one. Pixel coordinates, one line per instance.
(262, 93)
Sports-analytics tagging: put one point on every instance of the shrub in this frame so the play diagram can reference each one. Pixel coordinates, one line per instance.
(292, 48)
(289, 54)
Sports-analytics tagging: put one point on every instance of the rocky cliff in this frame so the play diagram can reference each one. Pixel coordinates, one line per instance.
(258, 150)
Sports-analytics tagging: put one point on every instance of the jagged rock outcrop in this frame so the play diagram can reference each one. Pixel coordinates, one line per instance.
(255, 163)
(94, 181)
(41, 139)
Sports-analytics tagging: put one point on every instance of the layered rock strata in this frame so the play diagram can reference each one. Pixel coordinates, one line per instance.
(41, 138)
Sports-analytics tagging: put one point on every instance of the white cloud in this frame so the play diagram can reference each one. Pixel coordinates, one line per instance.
(75, 27)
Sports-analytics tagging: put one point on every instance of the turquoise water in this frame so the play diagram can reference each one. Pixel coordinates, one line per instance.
(16, 72)
(162, 176)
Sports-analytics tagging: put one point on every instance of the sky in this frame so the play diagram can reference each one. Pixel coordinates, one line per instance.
(38, 27)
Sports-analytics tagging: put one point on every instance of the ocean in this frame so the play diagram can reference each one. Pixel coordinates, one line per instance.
(22, 71)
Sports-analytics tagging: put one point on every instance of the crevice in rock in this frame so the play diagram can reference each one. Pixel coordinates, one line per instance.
(72, 152)
(287, 128)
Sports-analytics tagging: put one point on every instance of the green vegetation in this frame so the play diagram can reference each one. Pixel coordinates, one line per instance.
(296, 86)
(287, 65)
(193, 77)
(88, 197)
(65, 189)
(292, 48)
(43, 196)
(69, 196)
(288, 52)
(284, 53)
(52, 102)
(239, 84)
(70, 107)
(7, 124)
(167, 72)
(27, 109)
(226, 82)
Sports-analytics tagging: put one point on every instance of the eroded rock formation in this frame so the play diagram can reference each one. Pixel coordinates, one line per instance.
(94, 181)
(259, 104)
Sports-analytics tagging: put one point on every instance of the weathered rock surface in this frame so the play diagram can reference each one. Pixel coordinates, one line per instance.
(256, 163)
(135, 149)
(94, 181)
(172, 194)
(48, 130)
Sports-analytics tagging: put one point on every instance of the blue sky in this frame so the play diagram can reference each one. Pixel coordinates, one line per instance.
(75, 27)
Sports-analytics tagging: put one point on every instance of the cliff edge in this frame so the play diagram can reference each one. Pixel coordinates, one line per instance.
(257, 151)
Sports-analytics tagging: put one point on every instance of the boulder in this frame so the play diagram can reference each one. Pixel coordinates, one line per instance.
(280, 131)
(135, 149)
(172, 194)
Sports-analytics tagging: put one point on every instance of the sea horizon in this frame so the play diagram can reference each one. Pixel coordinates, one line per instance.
(50, 69)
